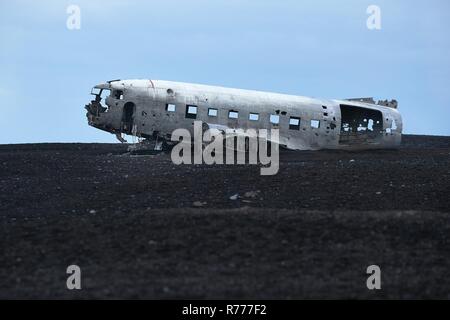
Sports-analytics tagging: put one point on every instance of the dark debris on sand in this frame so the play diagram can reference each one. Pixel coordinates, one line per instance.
(141, 227)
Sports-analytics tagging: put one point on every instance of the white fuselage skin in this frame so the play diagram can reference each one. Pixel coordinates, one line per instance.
(155, 108)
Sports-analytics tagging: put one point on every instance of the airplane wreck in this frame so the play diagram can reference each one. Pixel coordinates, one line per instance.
(153, 109)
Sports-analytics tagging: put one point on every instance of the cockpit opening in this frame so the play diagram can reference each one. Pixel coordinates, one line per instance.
(96, 107)
(100, 94)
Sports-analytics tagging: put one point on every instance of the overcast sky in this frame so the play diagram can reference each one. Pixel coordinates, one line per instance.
(319, 48)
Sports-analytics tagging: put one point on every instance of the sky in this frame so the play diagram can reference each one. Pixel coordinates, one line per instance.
(317, 48)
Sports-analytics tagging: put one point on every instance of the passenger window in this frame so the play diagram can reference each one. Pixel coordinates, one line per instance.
(233, 114)
(170, 107)
(274, 119)
(253, 117)
(294, 123)
(191, 112)
(212, 112)
(315, 124)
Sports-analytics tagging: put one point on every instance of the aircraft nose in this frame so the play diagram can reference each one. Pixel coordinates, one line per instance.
(95, 108)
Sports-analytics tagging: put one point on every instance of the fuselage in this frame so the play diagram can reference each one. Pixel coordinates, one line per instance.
(155, 108)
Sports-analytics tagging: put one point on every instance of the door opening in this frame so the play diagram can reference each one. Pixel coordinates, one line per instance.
(128, 117)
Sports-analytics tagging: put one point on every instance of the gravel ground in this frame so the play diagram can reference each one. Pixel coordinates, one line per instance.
(141, 227)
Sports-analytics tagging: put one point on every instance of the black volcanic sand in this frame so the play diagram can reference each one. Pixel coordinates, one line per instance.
(141, 227)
